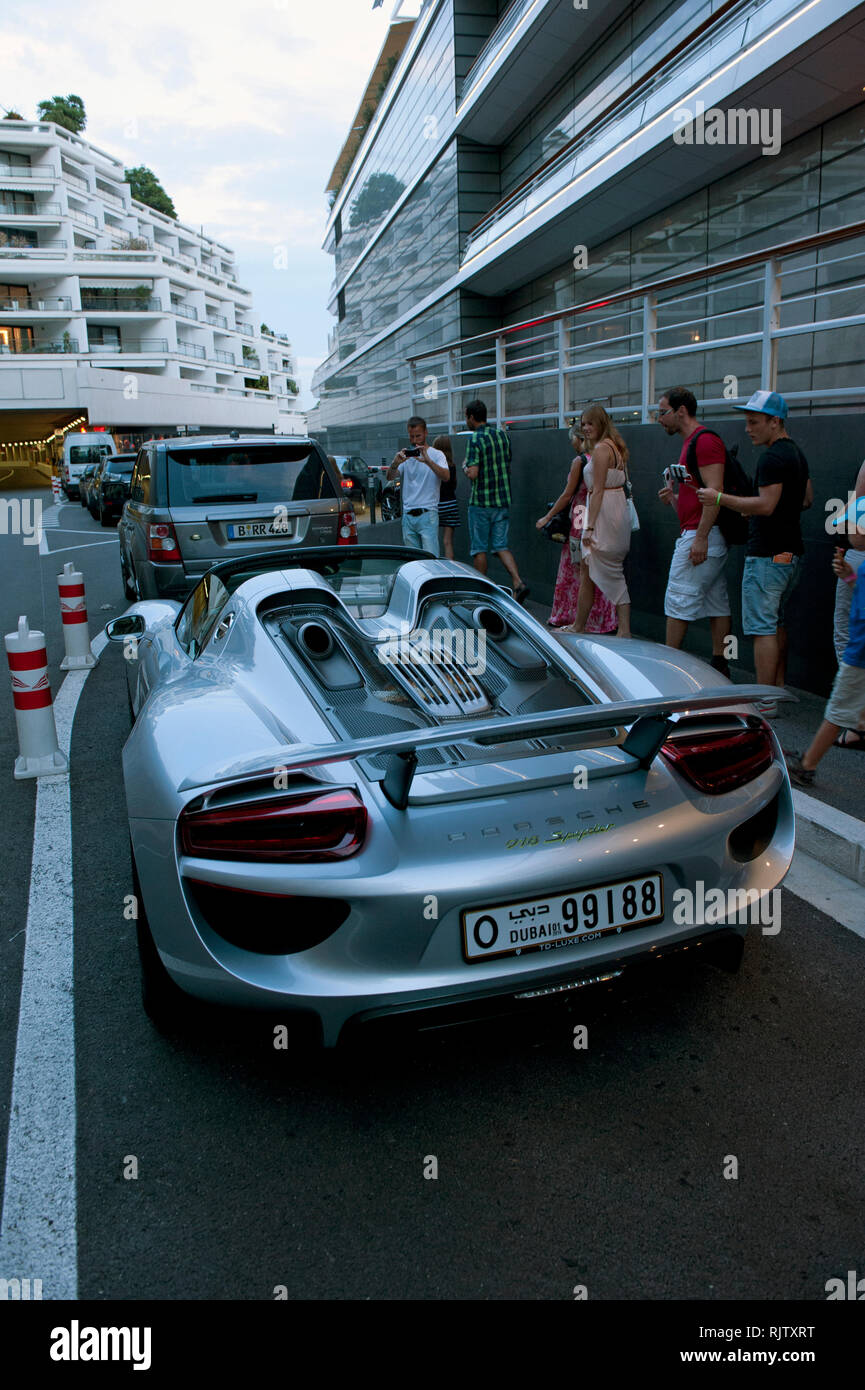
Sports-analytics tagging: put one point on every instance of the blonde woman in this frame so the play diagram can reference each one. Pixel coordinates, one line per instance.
(606, 537)
(449, 512)
(602, 617)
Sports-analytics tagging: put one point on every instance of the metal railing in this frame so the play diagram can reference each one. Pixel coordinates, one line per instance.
(34, 252)
(115, 255)
(217, 321)
(496, 41)
(50, 304)
(246, 328)
(633, 100)
(791, 314)
(185, 311)
(67, 345)
(25, 171)
(109, 197)
(224, 357)
(85, 218)
(191, 350)
(16, 209)
(131, 346)
(123, 303)
(75, 179)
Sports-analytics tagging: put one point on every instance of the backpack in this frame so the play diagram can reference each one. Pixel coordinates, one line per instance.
(732, 525)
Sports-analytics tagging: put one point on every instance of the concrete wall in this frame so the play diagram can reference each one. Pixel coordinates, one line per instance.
(834, 446)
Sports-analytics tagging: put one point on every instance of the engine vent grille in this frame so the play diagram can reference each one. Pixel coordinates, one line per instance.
(436, 682)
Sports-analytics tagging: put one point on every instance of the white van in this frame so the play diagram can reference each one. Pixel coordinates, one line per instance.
(79, 450)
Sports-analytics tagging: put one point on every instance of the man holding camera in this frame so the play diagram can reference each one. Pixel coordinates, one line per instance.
(423, 470)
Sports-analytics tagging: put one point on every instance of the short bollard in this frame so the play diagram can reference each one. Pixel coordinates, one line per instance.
(73, 609)
(34, 712)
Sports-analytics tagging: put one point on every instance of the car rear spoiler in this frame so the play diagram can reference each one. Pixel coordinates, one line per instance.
(650, 722)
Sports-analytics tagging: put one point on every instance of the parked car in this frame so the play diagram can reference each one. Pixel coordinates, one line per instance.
(111, 487)
(78, 451)
(390, 500)
(354, 479)
(329, 814)
(194, 502)
(85, 479)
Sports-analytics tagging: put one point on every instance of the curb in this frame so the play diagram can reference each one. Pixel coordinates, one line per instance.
(830, 836)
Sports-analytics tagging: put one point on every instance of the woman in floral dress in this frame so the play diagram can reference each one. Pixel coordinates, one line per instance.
(602, 617)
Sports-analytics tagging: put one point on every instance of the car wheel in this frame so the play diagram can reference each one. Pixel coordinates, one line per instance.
(164, 1002)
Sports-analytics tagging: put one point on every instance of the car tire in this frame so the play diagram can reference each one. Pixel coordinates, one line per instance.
(163, 1001)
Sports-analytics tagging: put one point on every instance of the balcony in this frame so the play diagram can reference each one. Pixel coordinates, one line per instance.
(246, 328)
(83, 217)
(67, 345)
(217, 321)
(136, 256)
(191, 350)
(35, 252)
(130, 345)
(26, 302)
(16, 209)
(185, 311)
(110, 197)
(224, 357)
(75, 180)
(124, 303)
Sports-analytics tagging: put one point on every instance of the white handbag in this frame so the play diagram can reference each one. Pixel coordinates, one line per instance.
(629, 494)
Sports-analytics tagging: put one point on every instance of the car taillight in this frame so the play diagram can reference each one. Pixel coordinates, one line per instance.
(299, 829)
(162, 543)
(720, 762)
(347, 534)
(346, 482)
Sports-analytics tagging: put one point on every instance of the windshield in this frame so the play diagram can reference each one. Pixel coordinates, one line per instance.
(87, 453)
(118, 465)
(271, 473)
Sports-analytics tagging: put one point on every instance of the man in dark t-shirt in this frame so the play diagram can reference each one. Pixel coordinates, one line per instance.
(773, 558)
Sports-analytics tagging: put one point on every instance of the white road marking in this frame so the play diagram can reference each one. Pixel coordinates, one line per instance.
(38, 1236)
(827, 890)
(61, 549)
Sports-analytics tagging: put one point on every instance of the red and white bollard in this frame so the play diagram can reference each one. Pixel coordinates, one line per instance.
(34, 713)
(55, 487)
(73, 610)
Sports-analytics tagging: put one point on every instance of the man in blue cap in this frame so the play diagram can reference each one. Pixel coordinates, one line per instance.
(773, 558)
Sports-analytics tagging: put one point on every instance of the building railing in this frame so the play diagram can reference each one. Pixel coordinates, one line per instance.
(131, 346)
(246, 328)
(83, 217)
(496, 41)
(707, 32)
(75, 180)
(224, 357)
(217, 321)
(191, 350)
(110, 197)
(788, 318)
(25, 171)
(34, 252)
(16, 209)
(48, 304)
(67, 345)
(185, 311)
(123, 303)
(137, 256)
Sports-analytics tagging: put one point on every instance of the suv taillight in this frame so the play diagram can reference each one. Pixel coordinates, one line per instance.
(347, 534)
(309, 828)
(721, 762)
(162, 543)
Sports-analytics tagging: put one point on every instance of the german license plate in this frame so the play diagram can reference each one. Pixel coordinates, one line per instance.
(259, 530)
(562, 920)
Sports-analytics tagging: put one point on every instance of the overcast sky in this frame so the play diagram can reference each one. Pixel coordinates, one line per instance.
(240, 109)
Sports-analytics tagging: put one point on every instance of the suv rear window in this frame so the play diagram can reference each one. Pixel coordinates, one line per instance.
(269, 473)
(87, 453)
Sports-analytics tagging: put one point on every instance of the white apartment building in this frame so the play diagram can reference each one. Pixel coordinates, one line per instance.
(115, 312)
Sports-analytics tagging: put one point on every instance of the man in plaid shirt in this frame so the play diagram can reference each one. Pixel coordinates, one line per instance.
(487, 464)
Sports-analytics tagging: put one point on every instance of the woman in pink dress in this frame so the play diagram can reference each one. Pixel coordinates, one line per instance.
(602, 617)
(606, 537)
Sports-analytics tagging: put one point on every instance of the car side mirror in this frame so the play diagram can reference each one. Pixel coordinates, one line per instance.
(129, 625)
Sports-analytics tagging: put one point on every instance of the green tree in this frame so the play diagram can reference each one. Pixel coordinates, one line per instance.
(147, 189)
(67, 111)
(13, 116)
(379, 193)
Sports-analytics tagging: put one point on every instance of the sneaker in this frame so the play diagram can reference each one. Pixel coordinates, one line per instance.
(800, 776)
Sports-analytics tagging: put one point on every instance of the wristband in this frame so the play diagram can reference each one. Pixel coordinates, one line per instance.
(718, 503)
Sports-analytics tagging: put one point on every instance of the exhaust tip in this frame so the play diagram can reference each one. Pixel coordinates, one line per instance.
(491, 621)
(315, 641)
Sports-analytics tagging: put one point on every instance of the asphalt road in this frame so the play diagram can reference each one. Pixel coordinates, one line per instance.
(556, 1167)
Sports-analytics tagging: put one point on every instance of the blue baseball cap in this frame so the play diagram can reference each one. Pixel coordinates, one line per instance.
(768, 402)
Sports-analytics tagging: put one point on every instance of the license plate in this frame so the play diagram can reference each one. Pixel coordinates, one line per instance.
(256, 530)
(562, 920)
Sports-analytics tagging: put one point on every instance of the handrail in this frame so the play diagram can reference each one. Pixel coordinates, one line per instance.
(683, 277)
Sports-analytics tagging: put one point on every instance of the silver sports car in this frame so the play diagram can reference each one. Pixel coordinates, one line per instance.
(363, 782)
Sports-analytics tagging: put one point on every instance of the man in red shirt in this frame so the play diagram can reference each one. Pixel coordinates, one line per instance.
(697, 585)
